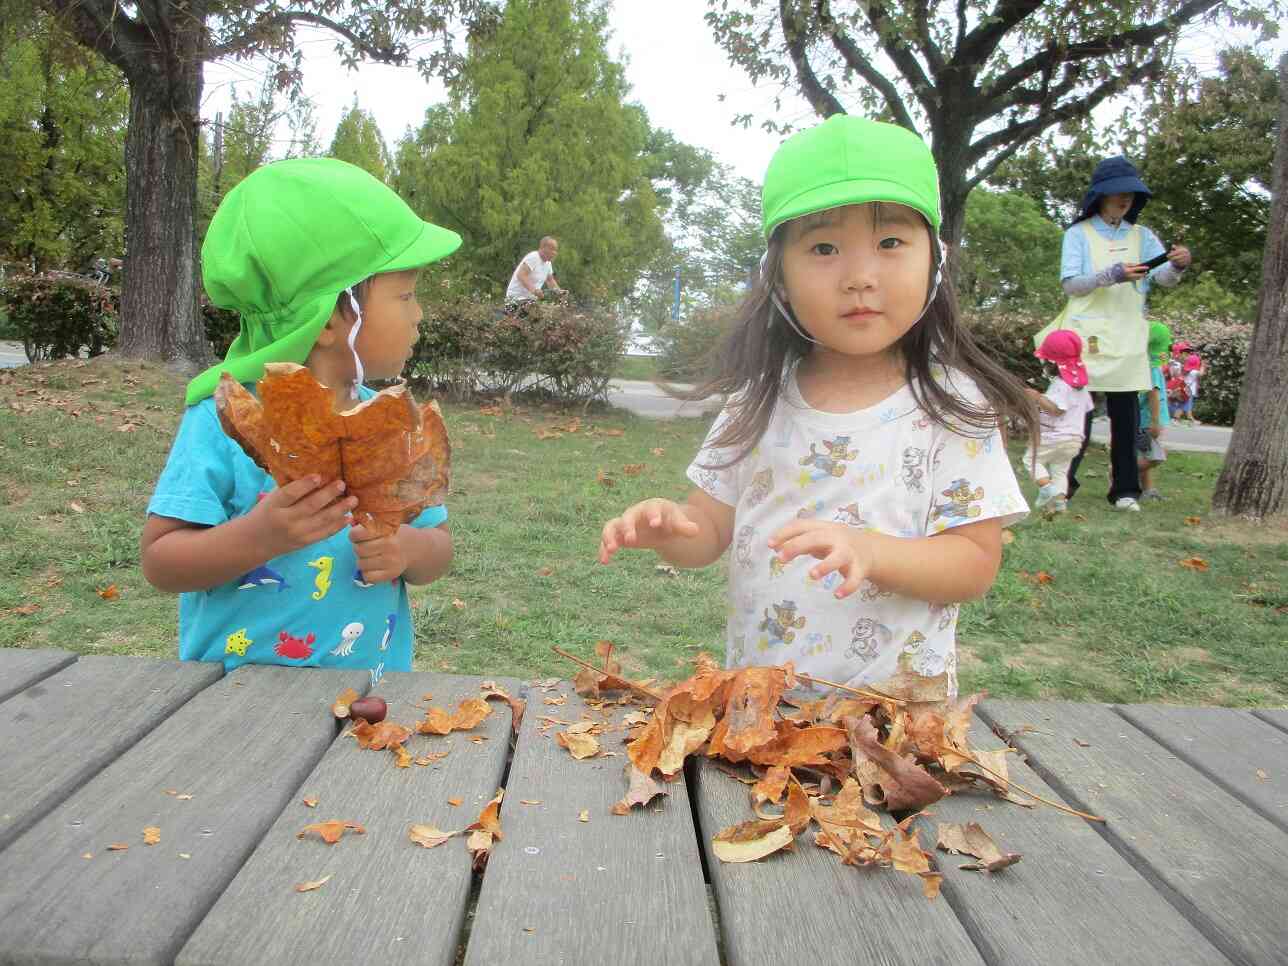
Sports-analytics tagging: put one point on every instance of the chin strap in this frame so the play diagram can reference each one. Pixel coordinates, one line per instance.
(353, 338)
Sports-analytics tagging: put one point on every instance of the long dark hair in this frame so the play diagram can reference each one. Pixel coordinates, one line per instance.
(754, 360)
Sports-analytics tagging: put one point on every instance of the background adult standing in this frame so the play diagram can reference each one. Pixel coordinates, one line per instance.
(1102, 271)
(535, 270)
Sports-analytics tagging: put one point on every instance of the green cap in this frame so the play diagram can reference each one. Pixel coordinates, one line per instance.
(284, 244)
(849, 160)
(1160, 343)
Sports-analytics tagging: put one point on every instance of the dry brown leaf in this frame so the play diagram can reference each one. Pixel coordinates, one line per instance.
(633, 469)
(797, 812)
(971, 839)
(642, 790)
(340, 707)
(489, 819)
(529, 801)
(314, 884)
(658, 451)
(432, 757)
(151, 835)
(751, 841)
(580, 746)
(454, 801)
(479, 845)
(1197, 564)
(468, 714)
(429, 836)
(311, 803)
(109, 592)
(904, 783)
(118, 847)
(331, 831)
(379, 736)
(907, 855)
(771, 786)
(517, 705)
(1193, 521)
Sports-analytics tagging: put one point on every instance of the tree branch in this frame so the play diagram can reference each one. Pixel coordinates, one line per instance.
(934, 56)
(860, 64)
(101, 26)
(898, 52)
(1097, 46)
(284, 18)
(980, 43)
(961, 25)
(1023, 130)
(821, 99)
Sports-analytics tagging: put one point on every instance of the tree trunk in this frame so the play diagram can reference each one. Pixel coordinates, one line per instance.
(159, 316)
(1254, 479)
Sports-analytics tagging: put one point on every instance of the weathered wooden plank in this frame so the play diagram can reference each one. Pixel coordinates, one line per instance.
(389, 900)
(21, 668)
(1274, 716)
(1244, 755)
(240, 748)
(615, 889)
(1216, 861)
(1071, 900)
(59, 733)
(806, 906)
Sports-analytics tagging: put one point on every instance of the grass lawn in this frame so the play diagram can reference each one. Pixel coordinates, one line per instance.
(643, 368)
(1120, 620)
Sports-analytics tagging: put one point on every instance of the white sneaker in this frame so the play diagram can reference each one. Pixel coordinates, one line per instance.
(1127, 503)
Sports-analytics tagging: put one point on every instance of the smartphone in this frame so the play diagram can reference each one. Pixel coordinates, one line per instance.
(1158, 259)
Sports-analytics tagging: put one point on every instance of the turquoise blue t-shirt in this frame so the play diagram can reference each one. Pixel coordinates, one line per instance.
(1164, 417)
(308, 608)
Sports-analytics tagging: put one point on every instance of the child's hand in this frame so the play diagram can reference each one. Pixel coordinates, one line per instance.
(301, 513)
(645, 526)
(1156, 431)
(840, 548)
(379, 558)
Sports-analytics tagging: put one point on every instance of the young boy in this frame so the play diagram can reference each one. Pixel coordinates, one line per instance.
(321, 260)
(1154, 413)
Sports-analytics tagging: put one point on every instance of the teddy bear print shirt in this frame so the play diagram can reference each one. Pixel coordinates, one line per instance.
(887, 468)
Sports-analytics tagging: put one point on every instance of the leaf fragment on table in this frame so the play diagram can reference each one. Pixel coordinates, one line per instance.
(379, 736)
(330, 831)
(340, 707)
(313, 884)
(431, 757)
(151, 835)
(429, 836)
(468, 714)
(642, 790)
(118, 847)
(455, 801)
(517, 705)
(971, 839)
(484, 831)
(579, 745)
(583, 815)
(751, 841)
(907, 855)
(310, 803)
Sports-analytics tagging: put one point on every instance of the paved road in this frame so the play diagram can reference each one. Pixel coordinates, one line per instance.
(11, 355)
(1178, 436)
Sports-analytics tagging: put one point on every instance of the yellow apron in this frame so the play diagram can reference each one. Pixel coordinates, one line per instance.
(1110, 320)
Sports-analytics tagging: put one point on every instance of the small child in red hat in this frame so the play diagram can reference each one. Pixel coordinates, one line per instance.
(1063, 411)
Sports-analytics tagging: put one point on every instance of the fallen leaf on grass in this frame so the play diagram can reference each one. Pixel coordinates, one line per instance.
(545, 571)
(429, 836)
(751, 841)
(971, 839)
(468, 714)
(1193, 521)
(314, 884)
(1008, 536)
(633, 469)
(611, 432)
(579, 745)
(1197, 564)
(458, 603)
(151, 835)
(604, 479)
(331, 831)
(109, 592)
(643, 789)
(25, 610)
(75, 507)
(658, 451)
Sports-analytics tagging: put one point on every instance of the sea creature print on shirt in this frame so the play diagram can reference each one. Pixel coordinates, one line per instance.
(867, 637)
(781, 627)
(348, 637)
(762, 484)
(912, 473)
(391, 621)
(831, 463)
(960, 503)
(322, 581)
(237, 642)
(294, 648)
(262, 577)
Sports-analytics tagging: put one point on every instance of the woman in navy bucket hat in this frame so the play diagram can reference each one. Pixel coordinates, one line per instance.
(1102, 271)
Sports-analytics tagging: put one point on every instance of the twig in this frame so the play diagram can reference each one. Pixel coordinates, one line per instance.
(599, 670)
(861, 692)
(1021, 788)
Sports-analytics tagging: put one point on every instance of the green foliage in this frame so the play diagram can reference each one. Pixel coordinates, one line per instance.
(688, 344)
(358, 141)
(57, 316)
(62, 128)
(537, 140)
(1009, 257)
(1223, 345)
(1007, 339)
(466, 346)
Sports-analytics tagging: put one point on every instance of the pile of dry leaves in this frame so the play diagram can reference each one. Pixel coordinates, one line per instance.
(859, 767)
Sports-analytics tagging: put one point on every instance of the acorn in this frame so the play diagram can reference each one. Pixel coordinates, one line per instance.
(371, 708)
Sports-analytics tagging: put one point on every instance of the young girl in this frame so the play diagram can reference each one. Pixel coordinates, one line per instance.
(1193, 368)
(321, 260)
(1154, 415)
(857, 470)
(1064, 409)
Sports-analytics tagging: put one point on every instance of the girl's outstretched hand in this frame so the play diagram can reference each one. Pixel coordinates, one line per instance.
(838, 547)
(645, 526)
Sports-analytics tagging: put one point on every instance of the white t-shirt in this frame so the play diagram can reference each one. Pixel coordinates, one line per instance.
(887, 468)
(1076, 403)
(538, 271)
(1192, 383)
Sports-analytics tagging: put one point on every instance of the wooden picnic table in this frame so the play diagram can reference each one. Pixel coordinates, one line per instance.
(1190, 867)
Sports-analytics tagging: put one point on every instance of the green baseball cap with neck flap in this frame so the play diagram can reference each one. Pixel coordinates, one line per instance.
(849, 160)
(287, 240)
